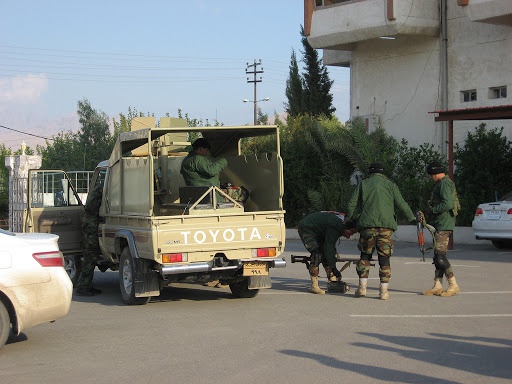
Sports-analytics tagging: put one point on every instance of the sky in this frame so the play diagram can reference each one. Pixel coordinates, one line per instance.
(154, 56)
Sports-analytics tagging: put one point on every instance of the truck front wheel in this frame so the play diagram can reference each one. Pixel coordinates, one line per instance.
(241, 289)
(126, 274)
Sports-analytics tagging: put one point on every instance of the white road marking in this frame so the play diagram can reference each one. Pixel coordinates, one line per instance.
(429, 316)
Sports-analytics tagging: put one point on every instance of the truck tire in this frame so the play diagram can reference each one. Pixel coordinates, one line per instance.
(73, 266)
(5, 325)
(126, 274)
(241, 289)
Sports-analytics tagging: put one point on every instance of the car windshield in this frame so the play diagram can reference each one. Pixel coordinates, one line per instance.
(507, 197)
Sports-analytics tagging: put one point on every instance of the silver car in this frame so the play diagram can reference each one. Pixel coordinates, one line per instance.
(493, 221)
(34, 286)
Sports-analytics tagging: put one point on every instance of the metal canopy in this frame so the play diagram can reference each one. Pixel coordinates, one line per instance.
(500, 112)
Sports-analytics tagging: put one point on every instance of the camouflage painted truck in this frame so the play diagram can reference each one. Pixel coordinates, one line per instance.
(155, 230)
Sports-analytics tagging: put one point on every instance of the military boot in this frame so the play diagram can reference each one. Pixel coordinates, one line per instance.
(314, 286)
(436, 289)
(361, 290)
(452, 290)
(383, 291)
(331, 277)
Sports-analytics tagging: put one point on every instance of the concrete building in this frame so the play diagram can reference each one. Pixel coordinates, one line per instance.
(408, 58)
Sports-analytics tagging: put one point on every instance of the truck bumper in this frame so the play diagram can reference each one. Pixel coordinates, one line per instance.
(208, 267)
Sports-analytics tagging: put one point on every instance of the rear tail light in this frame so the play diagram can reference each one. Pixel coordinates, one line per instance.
(264, 252)
(509, 212)
(174, 257)
(49, 259)
(479, 212)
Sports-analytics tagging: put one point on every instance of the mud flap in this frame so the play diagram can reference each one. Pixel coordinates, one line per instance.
(145, 280)
(257, 282)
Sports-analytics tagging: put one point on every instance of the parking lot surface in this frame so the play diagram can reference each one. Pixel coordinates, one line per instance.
(285, 334)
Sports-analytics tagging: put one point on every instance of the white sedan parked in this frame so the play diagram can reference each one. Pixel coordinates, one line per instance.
(493, 221)
(34, 286)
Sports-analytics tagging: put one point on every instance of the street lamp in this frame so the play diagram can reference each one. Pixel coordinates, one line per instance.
(255, 107)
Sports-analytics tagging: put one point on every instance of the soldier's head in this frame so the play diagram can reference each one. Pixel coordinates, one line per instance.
(436, 170)
(201, 146)
(376, 168)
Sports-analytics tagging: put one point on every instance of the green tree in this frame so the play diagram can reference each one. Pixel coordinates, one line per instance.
(294, 89)
(94, 137)
(64, 152)
(317, 98)
(483, 166)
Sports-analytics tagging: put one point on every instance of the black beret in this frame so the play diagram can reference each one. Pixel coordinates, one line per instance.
(376, 168)
(434, 168)
(201, 143)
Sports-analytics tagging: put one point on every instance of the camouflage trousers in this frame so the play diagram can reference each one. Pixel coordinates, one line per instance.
(440, 250)
(314, 246)
(92, 253)
(369, 240)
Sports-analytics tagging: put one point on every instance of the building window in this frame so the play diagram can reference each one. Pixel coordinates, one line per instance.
(466, 96)
(498, 92)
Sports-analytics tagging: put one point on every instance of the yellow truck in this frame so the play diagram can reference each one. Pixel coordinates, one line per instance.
(155, 230)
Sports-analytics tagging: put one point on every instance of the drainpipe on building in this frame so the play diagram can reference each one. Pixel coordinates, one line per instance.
(444, 74)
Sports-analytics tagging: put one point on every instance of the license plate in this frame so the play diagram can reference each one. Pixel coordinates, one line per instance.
(494, 215)
(255, 268)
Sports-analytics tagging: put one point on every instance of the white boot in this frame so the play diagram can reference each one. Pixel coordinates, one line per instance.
(383, 291)
(436, 289)
(361, 291)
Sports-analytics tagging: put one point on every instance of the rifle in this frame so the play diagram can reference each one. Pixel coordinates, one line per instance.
(347, 260)
(421, 224)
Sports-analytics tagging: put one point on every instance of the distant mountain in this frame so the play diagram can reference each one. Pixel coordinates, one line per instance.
(35, 132)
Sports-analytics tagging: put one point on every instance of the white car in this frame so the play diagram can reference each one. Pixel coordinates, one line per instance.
(493, 221)
(34, 286)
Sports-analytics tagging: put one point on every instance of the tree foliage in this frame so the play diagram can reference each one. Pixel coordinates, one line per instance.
(83, 150)
(294, 90)
(483, 169)
(308, 93)
(317, 85)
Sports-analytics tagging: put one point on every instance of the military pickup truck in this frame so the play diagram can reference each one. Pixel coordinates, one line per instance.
(155, 230)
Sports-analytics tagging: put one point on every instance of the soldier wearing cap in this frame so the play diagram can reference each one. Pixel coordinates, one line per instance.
(443, 209)
(373, 205)
(198, 168)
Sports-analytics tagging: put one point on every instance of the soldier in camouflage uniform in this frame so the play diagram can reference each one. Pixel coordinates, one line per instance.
(373, 205)
(198, 168)
(90, 222)
(443, 208)
(319, 232)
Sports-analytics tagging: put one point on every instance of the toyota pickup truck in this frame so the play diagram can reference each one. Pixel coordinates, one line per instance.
(155, 230)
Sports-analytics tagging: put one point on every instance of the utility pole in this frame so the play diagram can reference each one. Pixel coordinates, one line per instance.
(254, 72)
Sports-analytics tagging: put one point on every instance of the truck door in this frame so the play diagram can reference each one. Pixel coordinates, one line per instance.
(54, 206)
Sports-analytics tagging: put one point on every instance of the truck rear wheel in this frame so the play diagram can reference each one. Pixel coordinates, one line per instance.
(73, 266)
(241, 289)
(126, 274)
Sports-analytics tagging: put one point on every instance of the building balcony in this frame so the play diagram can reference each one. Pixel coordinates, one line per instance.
(488, 11)
(339, 25)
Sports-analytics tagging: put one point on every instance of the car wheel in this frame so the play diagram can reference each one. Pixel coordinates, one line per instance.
(5, 325)
(126, 275)
(73, 265)
(241, 289)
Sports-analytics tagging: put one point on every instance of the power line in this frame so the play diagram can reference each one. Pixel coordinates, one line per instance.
(25, 133)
